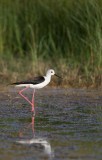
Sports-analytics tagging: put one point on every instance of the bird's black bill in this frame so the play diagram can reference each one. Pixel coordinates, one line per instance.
(58, 76)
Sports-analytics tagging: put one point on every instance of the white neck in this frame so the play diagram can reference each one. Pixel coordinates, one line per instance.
(48, 77)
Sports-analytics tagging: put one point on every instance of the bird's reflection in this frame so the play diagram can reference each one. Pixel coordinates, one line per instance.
(31, 125)
(40, 142)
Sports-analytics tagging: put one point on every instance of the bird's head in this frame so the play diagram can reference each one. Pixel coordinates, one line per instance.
(52, 72)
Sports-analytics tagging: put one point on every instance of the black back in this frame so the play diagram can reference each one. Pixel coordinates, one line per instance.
(36, 80)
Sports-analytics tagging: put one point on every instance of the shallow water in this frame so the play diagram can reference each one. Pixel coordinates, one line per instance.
(67, 125)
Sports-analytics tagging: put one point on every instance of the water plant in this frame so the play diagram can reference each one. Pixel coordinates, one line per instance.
(64, 34)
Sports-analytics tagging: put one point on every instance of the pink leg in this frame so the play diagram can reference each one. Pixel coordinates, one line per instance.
(20, 92)
(33, 102)
(33, 125)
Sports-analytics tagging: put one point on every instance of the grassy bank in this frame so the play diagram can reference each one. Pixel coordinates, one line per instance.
(64, 34)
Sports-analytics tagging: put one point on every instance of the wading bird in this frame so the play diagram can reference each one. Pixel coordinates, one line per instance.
(36, 83)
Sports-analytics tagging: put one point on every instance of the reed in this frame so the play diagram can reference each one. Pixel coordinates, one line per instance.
(66, 34)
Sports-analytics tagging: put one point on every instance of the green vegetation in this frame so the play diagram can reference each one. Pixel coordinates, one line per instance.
(65, 35)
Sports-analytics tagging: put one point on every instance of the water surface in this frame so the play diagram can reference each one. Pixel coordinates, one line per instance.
(67, 125)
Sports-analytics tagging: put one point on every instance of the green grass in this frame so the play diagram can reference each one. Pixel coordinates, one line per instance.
(63, 34)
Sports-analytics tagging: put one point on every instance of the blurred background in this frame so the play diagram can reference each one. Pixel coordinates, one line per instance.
(65, 35)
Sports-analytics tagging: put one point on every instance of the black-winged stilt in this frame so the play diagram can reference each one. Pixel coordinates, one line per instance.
(36, 83)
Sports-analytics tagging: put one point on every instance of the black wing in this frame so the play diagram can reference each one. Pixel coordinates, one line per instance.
(36, 80)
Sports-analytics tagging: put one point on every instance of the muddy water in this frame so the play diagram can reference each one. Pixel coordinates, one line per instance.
(67, 125)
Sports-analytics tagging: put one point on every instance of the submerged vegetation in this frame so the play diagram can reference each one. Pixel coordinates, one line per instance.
(65, 35)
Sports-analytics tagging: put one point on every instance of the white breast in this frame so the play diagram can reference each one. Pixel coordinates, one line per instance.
(41, 85)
